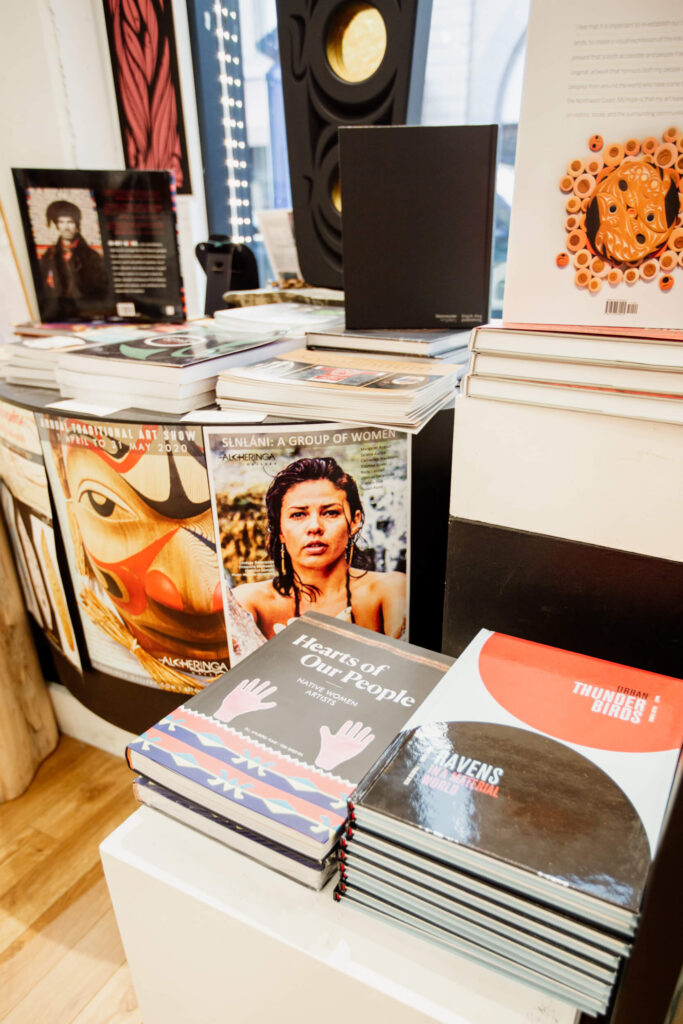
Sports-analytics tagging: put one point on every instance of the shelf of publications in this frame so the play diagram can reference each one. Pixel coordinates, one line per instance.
(211, 935)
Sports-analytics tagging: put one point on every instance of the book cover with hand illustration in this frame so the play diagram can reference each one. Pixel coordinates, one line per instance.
(280, 742)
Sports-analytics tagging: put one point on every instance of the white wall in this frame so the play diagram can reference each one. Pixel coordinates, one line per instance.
(58, 109)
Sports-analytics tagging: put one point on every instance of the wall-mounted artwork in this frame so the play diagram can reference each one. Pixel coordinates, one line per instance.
(145, 67)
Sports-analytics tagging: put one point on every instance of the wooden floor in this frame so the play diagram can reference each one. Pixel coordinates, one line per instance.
(61, 958)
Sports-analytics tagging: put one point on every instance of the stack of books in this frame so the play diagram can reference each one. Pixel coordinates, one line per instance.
(264, 759)
(381, 390)
(33, 355)
(515, 818)
(171, 372)
(630, 375)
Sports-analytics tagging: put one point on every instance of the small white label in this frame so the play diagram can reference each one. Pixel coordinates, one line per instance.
(125, 309)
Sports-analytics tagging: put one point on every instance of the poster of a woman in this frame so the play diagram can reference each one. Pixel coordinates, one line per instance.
(311, 519)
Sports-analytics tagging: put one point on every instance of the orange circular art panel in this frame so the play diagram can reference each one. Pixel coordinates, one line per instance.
(629, 200)
(582, 700)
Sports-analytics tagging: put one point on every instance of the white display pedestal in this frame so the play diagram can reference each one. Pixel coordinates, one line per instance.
(212, 937)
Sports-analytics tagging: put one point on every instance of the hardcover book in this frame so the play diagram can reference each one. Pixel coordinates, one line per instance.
(102, 244)
(575, 374)
(595, 231)
(432, 342)
(417, 249)
(657, 406)
(545, 771)
(310, 872)
(615, 350)
(280, 742)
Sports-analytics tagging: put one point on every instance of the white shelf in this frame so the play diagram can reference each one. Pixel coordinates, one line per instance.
(211, 936)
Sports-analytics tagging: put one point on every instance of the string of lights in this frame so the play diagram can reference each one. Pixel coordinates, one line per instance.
(231, 81)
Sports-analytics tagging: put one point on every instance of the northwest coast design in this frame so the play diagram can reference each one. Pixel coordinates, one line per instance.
(623, 220)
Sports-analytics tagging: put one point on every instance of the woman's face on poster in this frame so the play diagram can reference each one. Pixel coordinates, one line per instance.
(316, 522)
(160, 571)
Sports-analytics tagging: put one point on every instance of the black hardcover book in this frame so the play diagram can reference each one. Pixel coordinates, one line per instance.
(417, 225)
(102, 244)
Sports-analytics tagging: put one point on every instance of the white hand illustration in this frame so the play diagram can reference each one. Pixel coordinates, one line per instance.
(249, 695)
(348, 741)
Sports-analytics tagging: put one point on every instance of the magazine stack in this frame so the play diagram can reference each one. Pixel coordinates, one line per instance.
(163, 371)
(358, 388)
(265, 759)
(515, 818)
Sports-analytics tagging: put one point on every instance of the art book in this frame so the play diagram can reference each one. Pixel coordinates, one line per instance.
(196, 353)
(596, 239)
(101, 244)
(545, 771)
(28, 516)
(311, 517)
(280, 742)
(134, 507)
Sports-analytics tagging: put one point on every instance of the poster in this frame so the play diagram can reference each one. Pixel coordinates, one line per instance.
(145, 68)
(101, 244)
(134, 504)
(310, 517)
(28, 516)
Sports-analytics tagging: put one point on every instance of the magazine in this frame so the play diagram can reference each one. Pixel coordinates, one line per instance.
(134, 506)
(310, 517)
(101, 244)
(28, 515)
(595, 232)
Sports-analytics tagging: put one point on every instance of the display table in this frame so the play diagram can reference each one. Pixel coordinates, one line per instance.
(211, 936)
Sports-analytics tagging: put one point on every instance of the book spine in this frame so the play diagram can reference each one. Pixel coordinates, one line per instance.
(371, 776)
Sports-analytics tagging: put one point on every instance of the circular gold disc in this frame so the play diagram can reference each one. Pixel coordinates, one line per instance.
(356, 42)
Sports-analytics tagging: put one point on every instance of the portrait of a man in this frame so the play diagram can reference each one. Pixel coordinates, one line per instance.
(70, 268)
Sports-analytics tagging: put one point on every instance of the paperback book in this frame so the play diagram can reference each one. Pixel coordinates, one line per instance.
(595, 231)
(401, 393)
(35, 354)
(102, 244)
(279, 743)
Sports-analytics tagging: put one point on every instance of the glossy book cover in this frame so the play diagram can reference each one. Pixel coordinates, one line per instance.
(280, 742)
(552, 762)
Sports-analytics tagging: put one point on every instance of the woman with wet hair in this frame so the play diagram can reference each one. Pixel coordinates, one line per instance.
(315, 516)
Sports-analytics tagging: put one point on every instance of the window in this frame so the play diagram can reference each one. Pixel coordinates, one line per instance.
(473, 76)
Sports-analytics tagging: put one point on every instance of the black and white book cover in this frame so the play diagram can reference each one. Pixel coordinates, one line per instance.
(553, 763)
